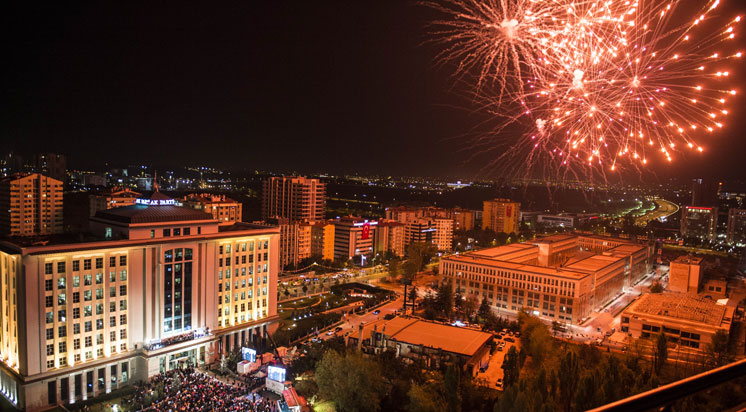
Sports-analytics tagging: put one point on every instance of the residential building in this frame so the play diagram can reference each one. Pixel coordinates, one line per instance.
(464, 219)
(434, 344)
(443, 234)
(295, 241)
(52, 165)
(30, 205)
(322, 240)
(115, 197)
(160, 287)
(699, 222)
(687, 320)
(223, 209)
(294, 198)
(556, 277)
(353, 236)
(389, 237)
(501, 215)
(736, 233)
(685, 274)
(705, 192)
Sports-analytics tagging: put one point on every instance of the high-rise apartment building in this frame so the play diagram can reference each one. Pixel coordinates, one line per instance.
(294, 198)
(736, 233)
(463, 219)
(353, 236)
(705, 192)
(30, 205)
(501, 215)
(116, 197)
(223, 209)
(443, 234)
(699, 222)
(390, 236)
(295, 241)
(52, 165)
(163, 287)
(322, 240)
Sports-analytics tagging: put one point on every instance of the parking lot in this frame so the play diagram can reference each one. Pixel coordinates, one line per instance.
(494, 370)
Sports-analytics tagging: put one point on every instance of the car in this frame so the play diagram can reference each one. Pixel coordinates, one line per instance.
(499, 383)
(498, 336)
(518, 334)
(608, 334)
(338, 329)
(598, 330)
(500, 348)
(509, 339)
(330, 333)
(376, 312)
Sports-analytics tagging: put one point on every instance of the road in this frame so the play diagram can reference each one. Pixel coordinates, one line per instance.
(662, 211)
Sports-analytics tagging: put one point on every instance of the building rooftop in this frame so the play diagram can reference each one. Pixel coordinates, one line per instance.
(681, 306)
(586, 261)
(430, 334)
(554, 239)
(688, 260)
(151, 214)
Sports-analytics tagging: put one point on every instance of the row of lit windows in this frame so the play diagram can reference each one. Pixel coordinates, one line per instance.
(243, 247)
(87, 280)
(87, 312)
(62, 360)
(62, 266)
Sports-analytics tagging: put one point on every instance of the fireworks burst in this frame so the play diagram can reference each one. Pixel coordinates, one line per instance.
(600, 85)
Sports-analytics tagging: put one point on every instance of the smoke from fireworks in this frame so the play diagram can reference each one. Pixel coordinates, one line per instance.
(599, 85)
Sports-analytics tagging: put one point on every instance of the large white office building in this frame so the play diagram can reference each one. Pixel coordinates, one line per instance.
(156, 287)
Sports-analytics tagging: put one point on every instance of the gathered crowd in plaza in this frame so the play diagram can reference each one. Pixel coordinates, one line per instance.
(190, 390)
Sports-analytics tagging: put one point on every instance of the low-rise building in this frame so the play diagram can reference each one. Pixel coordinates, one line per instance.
(435, 344)
(552, 276)
(685, 274)
(686, 319)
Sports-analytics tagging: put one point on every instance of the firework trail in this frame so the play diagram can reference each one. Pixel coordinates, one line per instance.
(598, 85)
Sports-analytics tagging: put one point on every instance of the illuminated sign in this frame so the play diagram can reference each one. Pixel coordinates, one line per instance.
(276, 374)
(149, 202)
(370, 223)
(248, 354)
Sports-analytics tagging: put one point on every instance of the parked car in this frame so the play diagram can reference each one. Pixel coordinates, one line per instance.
(500, 348)
(330, 333)
(509, 339)
(499, 383)
(338, 328)
(376, 312)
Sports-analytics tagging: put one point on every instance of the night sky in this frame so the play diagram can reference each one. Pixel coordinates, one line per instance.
(307, 86)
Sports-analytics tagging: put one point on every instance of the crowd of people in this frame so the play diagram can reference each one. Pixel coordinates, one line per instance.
(193, 391)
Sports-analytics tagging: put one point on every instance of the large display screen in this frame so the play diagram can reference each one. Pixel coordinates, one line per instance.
(276, 374)
(248, 354)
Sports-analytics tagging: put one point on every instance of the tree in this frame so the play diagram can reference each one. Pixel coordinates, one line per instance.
(484, 310)
(470, 305)
(718, 348)
(305, 288)
(452, 388)
(394, 268)
(413, 294)
(352, 382)
(568, 379)
(512, 367)
(423, 399)
(287, 292)
(444, 298)
(661, 352)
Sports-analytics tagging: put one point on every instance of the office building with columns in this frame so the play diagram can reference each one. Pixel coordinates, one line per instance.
(155, 287)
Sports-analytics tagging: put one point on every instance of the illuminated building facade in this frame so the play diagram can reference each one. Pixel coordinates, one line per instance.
(501, 215)
(161, 286)
(223, 209)
(699, 222)
(322, 240)
(736, 233)
(685, 274)
(353, 236)
(390, 237)
(30, 205)
(294, 198)
(556, 277)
